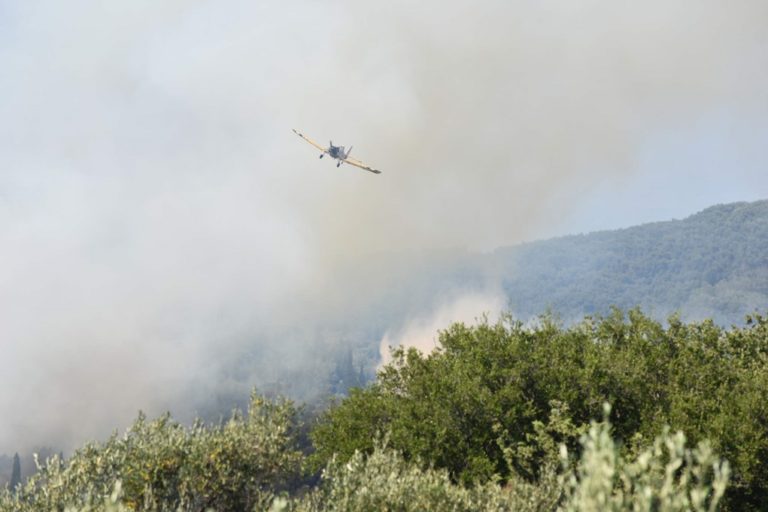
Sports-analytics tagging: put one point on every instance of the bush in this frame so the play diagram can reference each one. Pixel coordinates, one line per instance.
(383, 480)
(493, 382)
(162, 465)
(667, 477)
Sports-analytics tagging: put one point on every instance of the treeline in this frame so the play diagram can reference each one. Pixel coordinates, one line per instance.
(500, 417)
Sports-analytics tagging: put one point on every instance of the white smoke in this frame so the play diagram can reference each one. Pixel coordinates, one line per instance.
(421, 332)
(158, 218)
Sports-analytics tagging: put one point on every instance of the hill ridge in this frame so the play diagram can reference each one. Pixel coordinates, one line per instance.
(713, 263)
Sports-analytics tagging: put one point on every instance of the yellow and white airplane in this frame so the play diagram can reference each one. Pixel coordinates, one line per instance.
(338, 153)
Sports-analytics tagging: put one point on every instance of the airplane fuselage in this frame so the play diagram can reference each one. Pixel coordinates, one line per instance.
(337, 152)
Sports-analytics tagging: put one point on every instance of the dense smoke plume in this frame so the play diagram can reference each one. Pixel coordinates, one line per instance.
(158, 219)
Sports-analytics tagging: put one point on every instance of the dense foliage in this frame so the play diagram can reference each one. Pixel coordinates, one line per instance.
(666, 477)
(472, 407)
(499, 417)
(162, 465)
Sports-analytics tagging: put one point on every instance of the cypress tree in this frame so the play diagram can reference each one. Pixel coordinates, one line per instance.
(15, 472)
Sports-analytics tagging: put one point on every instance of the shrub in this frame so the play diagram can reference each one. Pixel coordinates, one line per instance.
(667, 477)
(490, 381)
(163, 465)
(383, 480)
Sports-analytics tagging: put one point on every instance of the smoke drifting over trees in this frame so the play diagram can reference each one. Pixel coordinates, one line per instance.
(158, 220)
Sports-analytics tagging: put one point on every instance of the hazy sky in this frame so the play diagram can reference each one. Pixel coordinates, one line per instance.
(155, 204)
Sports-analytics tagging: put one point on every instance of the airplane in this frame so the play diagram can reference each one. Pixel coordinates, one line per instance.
(338, 153)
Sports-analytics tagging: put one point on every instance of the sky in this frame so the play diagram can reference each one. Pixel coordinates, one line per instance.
(158, 216)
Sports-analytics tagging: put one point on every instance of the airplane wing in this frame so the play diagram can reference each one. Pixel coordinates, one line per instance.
(318, 146)
(361, 165)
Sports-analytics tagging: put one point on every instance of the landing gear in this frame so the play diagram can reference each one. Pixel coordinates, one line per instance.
(338, 164)
(321, 156)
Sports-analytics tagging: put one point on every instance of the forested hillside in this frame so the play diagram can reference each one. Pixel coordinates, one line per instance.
(713, 264)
